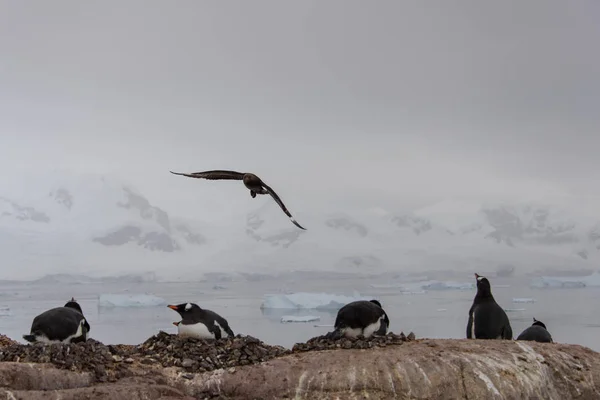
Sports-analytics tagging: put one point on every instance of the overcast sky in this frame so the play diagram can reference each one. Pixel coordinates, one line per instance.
(380, 103)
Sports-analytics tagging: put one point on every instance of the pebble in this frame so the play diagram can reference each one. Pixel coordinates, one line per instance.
(187, 363)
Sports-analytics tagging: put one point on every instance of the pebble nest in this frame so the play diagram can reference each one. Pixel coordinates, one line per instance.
(198, 355)
(325, 343)
(6, 341)
(90, 356)
(113, 362)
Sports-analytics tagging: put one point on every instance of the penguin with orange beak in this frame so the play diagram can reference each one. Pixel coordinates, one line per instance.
(200, 323)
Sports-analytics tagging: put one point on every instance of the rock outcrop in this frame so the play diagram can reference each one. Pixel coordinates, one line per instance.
(394, 368)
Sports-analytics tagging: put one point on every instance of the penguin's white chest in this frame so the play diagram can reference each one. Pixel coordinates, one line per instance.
(367, 331)
(372, 328)
(197, 330)
(473, 327)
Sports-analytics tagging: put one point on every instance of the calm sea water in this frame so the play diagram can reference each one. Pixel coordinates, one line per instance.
(571, 315)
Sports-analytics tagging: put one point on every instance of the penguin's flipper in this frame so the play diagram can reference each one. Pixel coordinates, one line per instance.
(224, 325)
(470, 326)
(216, 330)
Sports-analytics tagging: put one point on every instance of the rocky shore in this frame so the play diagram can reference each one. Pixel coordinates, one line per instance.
(392, 366)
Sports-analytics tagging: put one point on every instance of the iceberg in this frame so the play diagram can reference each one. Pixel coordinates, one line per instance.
(308, 300)
(305, 318)
(130, 300)
(573, 282)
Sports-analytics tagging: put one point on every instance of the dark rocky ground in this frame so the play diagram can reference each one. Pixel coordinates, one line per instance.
(109, 363)
(322, 368)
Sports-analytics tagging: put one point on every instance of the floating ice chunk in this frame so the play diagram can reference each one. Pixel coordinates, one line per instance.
(412, 292)
(523, 300)
(514, 309)
(442, 309)
(307, 300)
(130, 300)
(219, 287)
(5, 311)
(304, 318)
(545, 282)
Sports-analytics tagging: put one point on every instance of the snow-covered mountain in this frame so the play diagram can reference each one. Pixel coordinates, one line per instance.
(100, 226)
(89, 224)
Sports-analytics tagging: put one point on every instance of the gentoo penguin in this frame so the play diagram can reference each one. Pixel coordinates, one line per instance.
(537, 332)
(200, 323)
(61, 324)
(251, 181)
(361, 317)
(487, 320)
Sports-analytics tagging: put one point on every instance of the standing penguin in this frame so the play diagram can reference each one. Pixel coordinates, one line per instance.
(537, 332)
(487, 320)
(61, 324)
(200, 323)
(361, 317)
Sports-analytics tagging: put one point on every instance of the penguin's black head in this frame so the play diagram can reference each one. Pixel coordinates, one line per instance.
(74, 305)
(376, 302)
(483, 285)
(184, 308)
(538, 323)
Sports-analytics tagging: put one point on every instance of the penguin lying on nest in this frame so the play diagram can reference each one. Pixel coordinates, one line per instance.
(61, 324)
(487, 320)
(200, 323)
(537, 332)
(360, 318)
